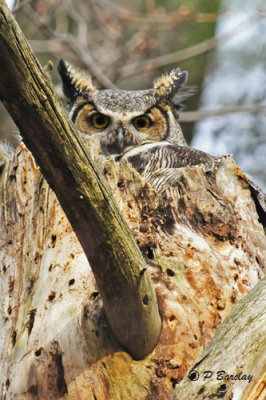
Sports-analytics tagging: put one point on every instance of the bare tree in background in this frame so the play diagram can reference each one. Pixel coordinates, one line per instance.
(127, 45)
(204, 247)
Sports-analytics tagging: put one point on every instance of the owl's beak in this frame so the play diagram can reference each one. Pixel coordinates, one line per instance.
(120, 138)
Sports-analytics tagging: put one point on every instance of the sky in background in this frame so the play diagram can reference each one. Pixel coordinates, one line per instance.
(236, 74)
(10, 3)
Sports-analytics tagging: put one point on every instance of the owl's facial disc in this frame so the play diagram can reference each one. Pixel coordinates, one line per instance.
(122, 118)
(120, 129)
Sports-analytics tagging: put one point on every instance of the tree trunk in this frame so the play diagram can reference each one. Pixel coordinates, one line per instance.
(204, 248)
(202, 244)
(124, 282)
(218, 374)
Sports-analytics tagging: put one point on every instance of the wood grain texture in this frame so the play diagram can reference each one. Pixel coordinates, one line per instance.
(55, 339)
(233, 365)
(86, 198)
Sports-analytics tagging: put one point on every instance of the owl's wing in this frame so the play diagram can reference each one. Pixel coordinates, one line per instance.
(161, 165)
(152, 156)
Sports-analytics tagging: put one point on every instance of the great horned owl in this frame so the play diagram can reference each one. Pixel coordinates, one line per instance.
(122, 118)
(141, 126)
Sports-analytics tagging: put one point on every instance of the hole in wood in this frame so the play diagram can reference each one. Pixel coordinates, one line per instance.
(201, 390)
(38, 352)
(14, 338)
(94, 295)
(31, 319)
(150, 254)
(61, 383)
(146, 300)
(71, 282)
(221, 391)
(33, 390)
(53, 238)
(170, 272)
(174, 382)
(233, 297)
(120, 184)
(142, 272)
(31, 284)
(51, 296)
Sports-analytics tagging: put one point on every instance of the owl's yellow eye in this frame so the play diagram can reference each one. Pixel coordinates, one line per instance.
(142, 123)
(99, 121)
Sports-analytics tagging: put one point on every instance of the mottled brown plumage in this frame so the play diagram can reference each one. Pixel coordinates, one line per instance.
(122, 118)
(140, 126)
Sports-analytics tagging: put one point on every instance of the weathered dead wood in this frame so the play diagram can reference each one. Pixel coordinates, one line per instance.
(204, 248)
(233, 365)
(120, 271)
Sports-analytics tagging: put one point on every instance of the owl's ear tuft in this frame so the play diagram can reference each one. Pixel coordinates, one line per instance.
(75, 83)
(172, 87)
(170, 83)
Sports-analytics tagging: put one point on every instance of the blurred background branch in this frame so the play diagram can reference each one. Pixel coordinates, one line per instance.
(194, 116)
(128, 45)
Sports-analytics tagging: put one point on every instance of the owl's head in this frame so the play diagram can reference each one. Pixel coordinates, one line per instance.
(122, 118)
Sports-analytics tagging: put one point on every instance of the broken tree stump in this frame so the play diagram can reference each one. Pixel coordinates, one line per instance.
(204, 248)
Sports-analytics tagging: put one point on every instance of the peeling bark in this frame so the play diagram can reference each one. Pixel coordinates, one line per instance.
(55, 338)
(216, 374)
(87, 200)
(202, 243)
